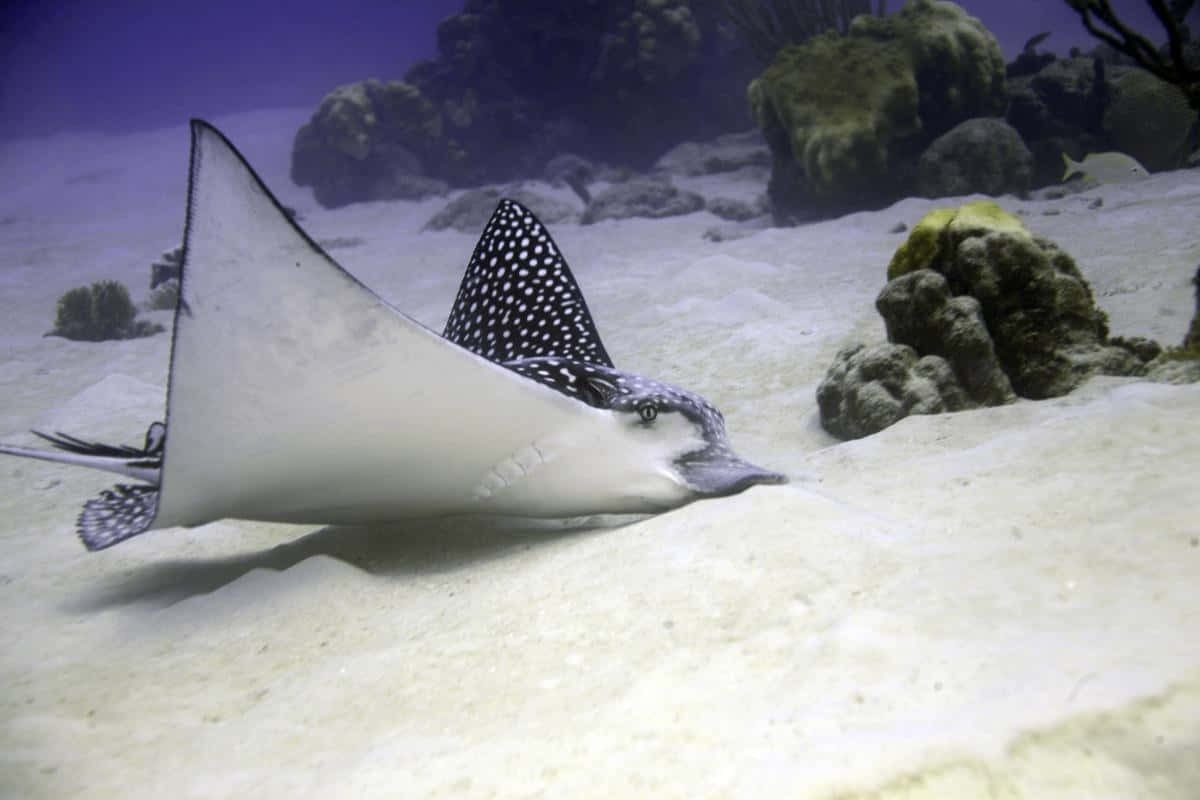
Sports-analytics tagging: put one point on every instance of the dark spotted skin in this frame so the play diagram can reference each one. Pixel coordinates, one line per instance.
(518, 299)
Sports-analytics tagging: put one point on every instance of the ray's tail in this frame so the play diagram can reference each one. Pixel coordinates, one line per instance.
(125, 510)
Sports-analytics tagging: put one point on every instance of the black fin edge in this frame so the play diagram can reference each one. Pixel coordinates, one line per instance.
(83, 447)
(151, 448)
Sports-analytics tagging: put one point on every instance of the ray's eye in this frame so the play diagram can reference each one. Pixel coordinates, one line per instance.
(647, 411)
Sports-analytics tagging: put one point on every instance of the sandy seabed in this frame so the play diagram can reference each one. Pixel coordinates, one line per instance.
(997, 603)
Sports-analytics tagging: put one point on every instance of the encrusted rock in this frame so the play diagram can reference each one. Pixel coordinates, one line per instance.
(1068, 89)
(1060, 109)
(1144, 349)
(415, 187)
(846, 116)
(1150, 120)
(642, 197)
(979, 311)
(984, 155)
(866, 389)
(726, 153)
(514, 84)
(735, 210)
(470, 211)
(100, 312)
(920, 312)
(1047, 331)
(1170, 368)
(369, 141)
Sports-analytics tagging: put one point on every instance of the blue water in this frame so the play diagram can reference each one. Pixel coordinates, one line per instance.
(133, 64)
(136, 64)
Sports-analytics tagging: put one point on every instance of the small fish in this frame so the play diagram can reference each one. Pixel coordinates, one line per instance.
(1106, 168)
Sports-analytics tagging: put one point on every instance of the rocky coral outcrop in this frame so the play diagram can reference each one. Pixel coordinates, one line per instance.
(846, 116)
(1098, 102)
(1059, 108)
(642, 197)
(658, 41)
(515, 84)
(1150, 120)
(866, 389)
(920, 312)
(984, 155)
(1073, 90)
(725, 153)
(100, 312)
(1006, 313)
(371, 141)
(470, 211)
(1048, 333)
(734, 210)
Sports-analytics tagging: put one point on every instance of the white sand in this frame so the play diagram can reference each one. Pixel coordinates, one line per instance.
(999, 603)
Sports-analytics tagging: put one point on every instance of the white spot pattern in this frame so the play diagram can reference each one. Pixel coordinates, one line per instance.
(506, 313)
(536, 323)
(116, 515)
(626, 393)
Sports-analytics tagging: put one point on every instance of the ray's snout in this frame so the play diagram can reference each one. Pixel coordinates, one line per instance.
(721, 476)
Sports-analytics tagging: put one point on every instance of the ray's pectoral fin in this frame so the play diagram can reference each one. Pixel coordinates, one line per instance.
(125, 510)
(117, 514)
(297, 394)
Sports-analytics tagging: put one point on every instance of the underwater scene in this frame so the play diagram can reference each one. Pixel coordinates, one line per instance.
(644, 398)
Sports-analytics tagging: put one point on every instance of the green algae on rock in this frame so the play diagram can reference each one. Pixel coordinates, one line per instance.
(840, 112)
(99, 312)
(924, 246)
(367, 141)
(1150, 120)
(995, 311)
(830, 138)
(515, 85)
(983, 155)
(1048, 333)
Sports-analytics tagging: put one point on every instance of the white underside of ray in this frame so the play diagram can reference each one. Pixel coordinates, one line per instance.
(297, 394)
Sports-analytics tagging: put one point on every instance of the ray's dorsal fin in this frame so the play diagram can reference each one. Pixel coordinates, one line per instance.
(518, 298)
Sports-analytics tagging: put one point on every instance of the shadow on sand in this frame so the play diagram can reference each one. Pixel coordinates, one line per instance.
(395, 550)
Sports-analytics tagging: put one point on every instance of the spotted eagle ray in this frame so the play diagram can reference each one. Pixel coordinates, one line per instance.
(297, 394)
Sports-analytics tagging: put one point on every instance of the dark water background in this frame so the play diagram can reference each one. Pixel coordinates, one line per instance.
(120, 65)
